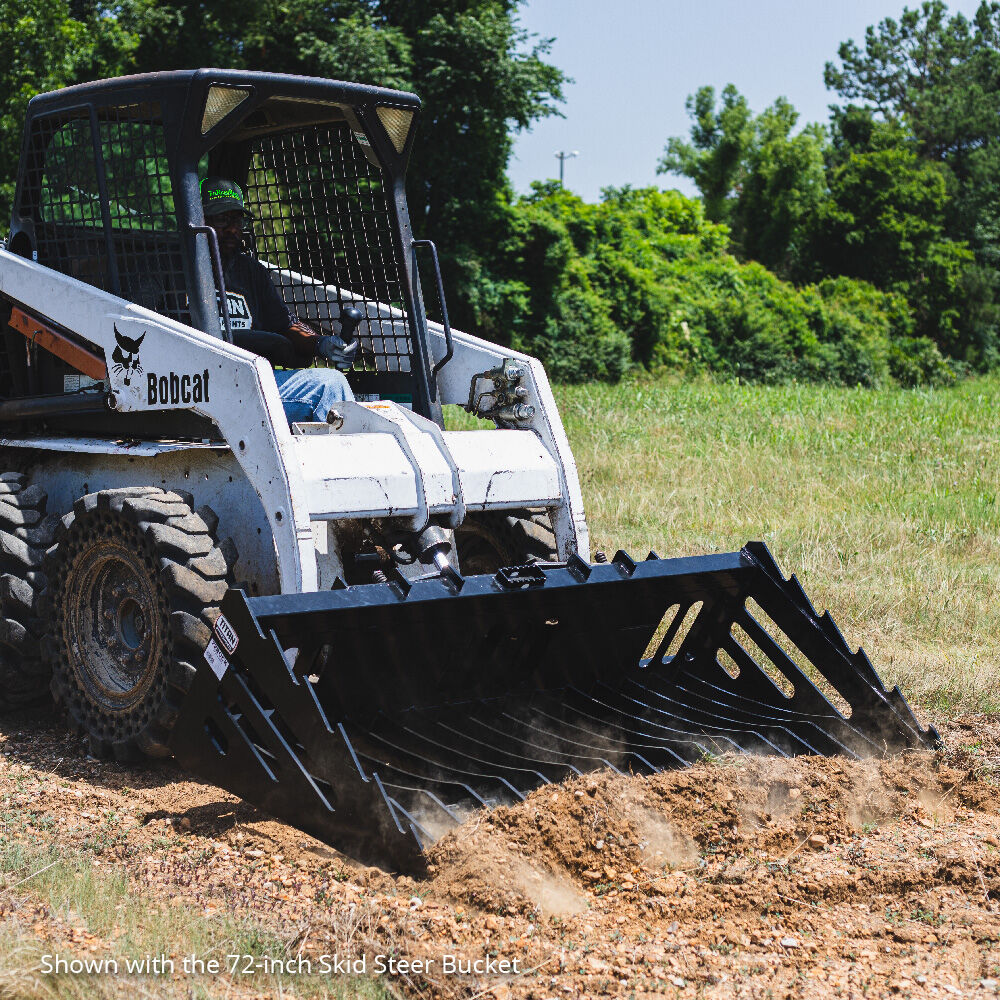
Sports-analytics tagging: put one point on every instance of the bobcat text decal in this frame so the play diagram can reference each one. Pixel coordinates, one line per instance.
(168, 389)
(174, 388)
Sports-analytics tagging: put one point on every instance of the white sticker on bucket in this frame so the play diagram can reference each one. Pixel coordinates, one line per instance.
(227, 634)
(216, 659)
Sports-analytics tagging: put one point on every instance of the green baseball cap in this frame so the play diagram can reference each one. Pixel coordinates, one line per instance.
(219, 195)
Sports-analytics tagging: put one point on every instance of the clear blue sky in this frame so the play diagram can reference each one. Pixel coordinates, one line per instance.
(635, 61)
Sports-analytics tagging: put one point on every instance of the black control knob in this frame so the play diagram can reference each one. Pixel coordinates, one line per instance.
(350, 318)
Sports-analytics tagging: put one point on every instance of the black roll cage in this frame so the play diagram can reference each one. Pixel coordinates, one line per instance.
(180, 97)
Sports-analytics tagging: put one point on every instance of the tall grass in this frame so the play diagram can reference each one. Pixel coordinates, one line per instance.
(884, 503)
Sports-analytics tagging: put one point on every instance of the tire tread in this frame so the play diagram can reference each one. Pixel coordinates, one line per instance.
(194, 572)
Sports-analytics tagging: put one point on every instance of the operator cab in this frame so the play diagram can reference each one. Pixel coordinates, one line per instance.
(109, 194)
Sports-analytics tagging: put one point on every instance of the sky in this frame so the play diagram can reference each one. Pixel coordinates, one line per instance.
(635, 61)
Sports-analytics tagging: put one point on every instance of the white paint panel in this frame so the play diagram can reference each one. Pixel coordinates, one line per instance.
(503, 469)
(474, 356)
(212, 475)
(416, 437)
(242, 400)
(356, 475)
(107, 446)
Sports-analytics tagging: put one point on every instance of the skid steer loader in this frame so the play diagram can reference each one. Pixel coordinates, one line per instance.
(370, 625)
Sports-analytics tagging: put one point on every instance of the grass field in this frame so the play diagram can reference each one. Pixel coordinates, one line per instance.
(885, 504)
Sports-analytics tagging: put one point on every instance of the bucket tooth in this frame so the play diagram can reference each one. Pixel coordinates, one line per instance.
(864, 668)
(833, 633)
(794, 590)
(408, 707)
(624, 562)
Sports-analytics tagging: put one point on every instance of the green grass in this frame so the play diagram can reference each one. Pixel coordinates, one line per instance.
(883, 503)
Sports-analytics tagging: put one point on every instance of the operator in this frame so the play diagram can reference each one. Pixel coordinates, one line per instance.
(263, 324)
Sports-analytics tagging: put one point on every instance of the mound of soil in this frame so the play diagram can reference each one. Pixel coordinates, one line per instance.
(752, 877)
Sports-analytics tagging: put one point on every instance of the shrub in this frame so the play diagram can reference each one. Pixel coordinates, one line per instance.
(644, 279)
(917, 361)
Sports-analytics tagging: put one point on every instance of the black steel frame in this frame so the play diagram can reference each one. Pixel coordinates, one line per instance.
(180, 98)
(409, 704)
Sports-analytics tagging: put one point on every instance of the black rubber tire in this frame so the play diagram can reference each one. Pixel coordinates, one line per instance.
(493, 539)
(25, 533)
(136, 581)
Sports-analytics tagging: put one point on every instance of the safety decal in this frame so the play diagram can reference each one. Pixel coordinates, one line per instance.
(216, 659)
(227, 634)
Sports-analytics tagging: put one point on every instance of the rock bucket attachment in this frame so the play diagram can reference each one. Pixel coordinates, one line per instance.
(376, 717)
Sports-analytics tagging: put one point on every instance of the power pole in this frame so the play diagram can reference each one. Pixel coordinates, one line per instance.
(562, 157)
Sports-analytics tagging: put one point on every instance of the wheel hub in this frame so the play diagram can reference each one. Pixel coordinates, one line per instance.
(114, 623)
(128, 613)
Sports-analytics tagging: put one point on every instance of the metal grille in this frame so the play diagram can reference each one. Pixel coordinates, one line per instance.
(143, 217)
(70, 227)
(321, 217)
(382, 737)
(134, 250)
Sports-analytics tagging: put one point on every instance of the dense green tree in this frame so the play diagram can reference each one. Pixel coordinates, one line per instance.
(886, 210)
(480, 80)
(885, 222)
(714, 158)
(783, 190)
(940, 76)
(868, 197)
(755, 173)
(643, 279)
(930, 83)
(47, 45)
(926, 69)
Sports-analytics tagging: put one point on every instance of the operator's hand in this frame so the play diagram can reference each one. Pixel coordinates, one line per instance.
(334, 349)
(304, 340)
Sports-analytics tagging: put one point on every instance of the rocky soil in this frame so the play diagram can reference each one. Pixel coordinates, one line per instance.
(741, 877)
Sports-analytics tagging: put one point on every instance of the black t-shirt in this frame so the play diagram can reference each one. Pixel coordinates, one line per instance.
(254, 302)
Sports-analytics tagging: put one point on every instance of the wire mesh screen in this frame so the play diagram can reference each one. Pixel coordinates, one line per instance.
(321, 218)
(138, 254)
(69, 228)
(141, 202)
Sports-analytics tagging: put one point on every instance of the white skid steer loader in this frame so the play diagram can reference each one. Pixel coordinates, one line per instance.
(367, 625)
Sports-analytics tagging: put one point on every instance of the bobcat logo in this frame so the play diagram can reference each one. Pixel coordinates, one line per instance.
(126, 356)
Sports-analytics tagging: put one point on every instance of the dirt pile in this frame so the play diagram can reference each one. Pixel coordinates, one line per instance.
(626, 834)
(739, 877)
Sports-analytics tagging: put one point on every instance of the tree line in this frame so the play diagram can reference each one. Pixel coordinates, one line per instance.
(899, 189)
(862, 250)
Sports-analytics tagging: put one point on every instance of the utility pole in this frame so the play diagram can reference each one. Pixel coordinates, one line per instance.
(562, 157)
